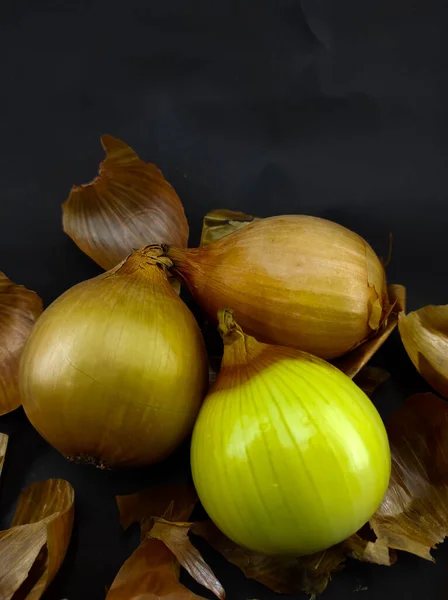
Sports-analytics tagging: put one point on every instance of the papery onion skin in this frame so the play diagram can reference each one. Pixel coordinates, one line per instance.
(292, 280)
(128, 205)
(288, 455)
(115, 370)
(19, 309)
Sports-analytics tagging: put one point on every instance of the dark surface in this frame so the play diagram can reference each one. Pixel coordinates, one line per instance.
(336, 109)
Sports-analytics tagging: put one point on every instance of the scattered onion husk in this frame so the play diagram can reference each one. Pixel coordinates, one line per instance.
(175, 537)
(424, 334)
(288, 455)
(19, 309)
(152, 571)
(172, 502)
(289, 574)
(370, 378)
(3, 447)
(292, 280)
(115, 370)
(414, 513)
(127, 206)
(33, 549)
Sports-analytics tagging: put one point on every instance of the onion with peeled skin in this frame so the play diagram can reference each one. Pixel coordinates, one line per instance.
(115, 369)
(293, 280)
(288, 455)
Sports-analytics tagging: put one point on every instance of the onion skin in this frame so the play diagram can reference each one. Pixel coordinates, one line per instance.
(115, 370)
(292, 280)
(128, 205)
(288, 455)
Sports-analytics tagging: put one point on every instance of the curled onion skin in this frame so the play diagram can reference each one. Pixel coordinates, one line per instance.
(128, 205)
(115, 369)
(288, 455)
(292, 280)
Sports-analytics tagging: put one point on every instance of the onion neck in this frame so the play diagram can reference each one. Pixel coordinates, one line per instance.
(239, 349)
(138, 261)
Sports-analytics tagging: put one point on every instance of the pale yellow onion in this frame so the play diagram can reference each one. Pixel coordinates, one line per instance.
(293, 280)
(129, 205)
(424, 334)
(288, 455)
(115, 370)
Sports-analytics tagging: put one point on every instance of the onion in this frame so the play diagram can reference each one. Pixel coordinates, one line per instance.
(115, 370)
(293, 280)
(288, 455)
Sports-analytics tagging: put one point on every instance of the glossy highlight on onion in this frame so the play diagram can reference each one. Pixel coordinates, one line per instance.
(115, 370)
(292, 280)
(288, 455)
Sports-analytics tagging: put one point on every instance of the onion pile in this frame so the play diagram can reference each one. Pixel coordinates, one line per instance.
(115, 370)
(288, 455)
(292, 280)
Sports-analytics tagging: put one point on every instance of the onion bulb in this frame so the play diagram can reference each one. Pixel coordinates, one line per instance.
(292, 280)
(288, 455)
(115, 370)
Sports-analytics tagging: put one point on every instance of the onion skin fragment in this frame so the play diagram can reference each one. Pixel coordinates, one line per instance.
(19, 309)
(115, 370)
(128, 205)
(288, 455)
(291, 280)
(424, 334)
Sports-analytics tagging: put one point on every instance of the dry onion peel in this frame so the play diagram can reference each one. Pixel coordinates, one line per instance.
(3, 447)
(288, 455)
(19, 309)
(33, 549)
(115, 369)
(127, 206)
(221, 222)
(369, 379)
(425, 336)
(292, 575)
(152, 571)
(170, 501)
(354, 361)
(175, 537)
(414, 513)
(292, 280)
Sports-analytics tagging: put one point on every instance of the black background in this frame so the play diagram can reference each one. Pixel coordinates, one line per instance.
(336, 109)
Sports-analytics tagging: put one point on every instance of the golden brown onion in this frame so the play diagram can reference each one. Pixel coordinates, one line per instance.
(293, 280)
(115, 370)
(129, 205)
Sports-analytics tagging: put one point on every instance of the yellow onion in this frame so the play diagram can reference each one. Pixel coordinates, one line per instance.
(292, 280)
(288, 455)
(115, 369)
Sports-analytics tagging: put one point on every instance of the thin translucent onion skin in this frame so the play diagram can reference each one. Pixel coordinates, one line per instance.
(115, 370)
(288, 455)
(292, 280)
